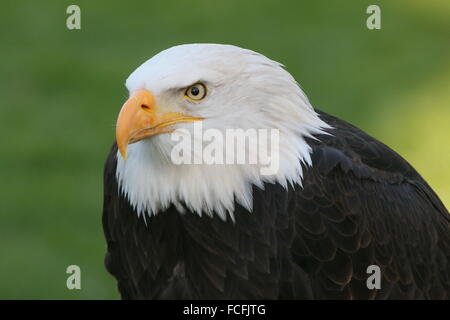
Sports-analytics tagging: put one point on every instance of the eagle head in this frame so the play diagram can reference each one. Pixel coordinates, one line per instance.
(217, 87)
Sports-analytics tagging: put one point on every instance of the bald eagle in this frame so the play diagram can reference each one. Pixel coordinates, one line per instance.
(339, 203)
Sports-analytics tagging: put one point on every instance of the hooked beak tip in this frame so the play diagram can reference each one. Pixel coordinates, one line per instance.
(123, 151)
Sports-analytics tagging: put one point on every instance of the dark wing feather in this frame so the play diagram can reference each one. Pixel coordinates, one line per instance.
(362, 204)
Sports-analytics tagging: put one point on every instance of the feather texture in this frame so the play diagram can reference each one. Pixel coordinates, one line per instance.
(360, 204)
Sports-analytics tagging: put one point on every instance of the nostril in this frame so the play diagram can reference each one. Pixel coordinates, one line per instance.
(145, 107)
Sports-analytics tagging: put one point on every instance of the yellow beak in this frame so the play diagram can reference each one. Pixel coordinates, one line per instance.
(140, 118)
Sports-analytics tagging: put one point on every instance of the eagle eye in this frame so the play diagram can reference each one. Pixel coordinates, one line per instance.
(196, 92)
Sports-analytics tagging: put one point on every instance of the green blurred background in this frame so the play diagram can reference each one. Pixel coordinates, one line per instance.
(61, 90)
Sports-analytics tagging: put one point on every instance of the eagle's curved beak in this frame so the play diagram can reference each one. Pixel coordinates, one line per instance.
(140, 118)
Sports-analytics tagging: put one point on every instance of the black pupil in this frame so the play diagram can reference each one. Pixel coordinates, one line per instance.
(195, 91)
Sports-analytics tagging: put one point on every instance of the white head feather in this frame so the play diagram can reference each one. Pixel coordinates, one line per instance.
(245, 90)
